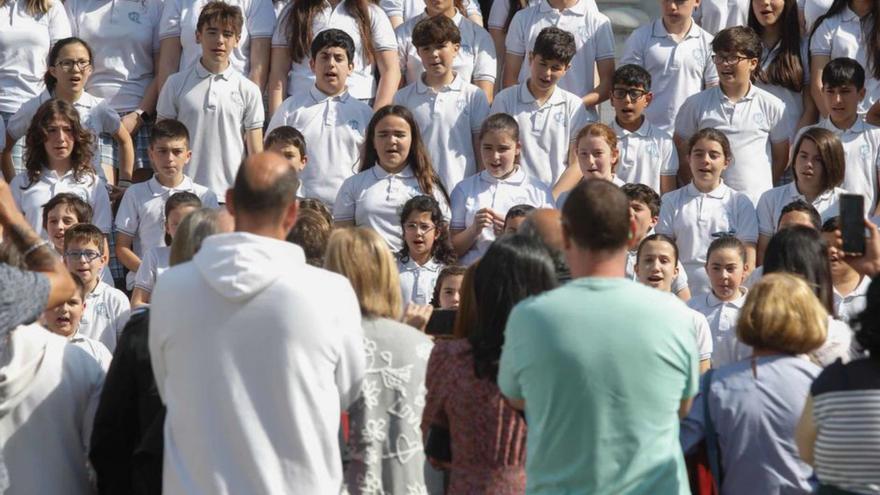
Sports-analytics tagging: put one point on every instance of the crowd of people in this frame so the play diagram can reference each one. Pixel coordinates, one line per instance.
(345, 246)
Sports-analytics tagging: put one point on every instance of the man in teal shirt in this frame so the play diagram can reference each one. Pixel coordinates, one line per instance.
(603, 366)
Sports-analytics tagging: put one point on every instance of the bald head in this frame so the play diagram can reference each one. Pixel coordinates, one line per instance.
(546, 223)
(264, 186)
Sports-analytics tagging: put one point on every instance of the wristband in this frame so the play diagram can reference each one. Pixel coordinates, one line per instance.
(33, 248)
(123, 183)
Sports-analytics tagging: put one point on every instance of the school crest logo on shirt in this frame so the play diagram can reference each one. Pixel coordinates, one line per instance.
(652, 150)
(101, 310)
(864, 152)
(354, 124)
(758, 118)
(461, 104)
(559, 117)
(582, 32)
(699, 56)
(134, 17)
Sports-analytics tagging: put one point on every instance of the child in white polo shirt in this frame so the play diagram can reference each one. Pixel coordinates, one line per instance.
(598, 154)
(678, 55)
(548, 116)
(290, 144)
(480, 202)
(647, 154)
(331, 120)
(222, 109)
(850, 288)
(594, 47)
(140, 222)
(426, 249)
(448, 108)
(749, 116)
(707, 209)
(107, 308)
(715, 15)
(60, 213)
(818, 164)
(64, 320)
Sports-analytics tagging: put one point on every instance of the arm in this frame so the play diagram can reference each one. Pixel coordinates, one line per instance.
(602, 91)
(488, 88)
(7, 165)
(498, 40)
(389, 77)
(684, 294)
(684, 169)
(396, 20)
(779, 157)
(253, 139)
(750, 257)
(139, 297)
(477, 18)
(124, 252)
(811, 112)
(259, 58)
(817, 64)
(570, 176)
(806, 432)
(763, 240)
(126, 152)
(667, 183)
(475, 138)
(512, 66)
(277, 85)
(464, 239)
(169, 60)
(685, 407)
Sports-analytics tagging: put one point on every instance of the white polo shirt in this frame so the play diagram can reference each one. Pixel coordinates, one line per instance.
(592, 36)
(448, 120)
(560, 200)
(95, 349)
(94, 114)
(179, 19)
(841, 36)
(813, 9)
(694, 219)
(679, 283)
(475, 60)
(361, 83)
(751, 124)
(793, 101)
(773, 201)
(861, 145)
(373, 198)
(89, 188)
(851, 305)
(715, 15)
(334, 128)
(124, 36)
(24, 48)
(546, 131)
(645, 155)
(154, 263)
(417, 281)
(678, 69)
(409, 9)
(107, 311)
(485, 191)
(702, 334)
(499, 11)
(722, 317)
(217, 109)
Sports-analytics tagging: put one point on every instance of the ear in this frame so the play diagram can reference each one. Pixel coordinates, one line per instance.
(198, 37)
(654, 221)
(862, 93)
(312, 64)
(631, 235)
(188, 155)
(457, 47)
(649, 97)
(290, 216)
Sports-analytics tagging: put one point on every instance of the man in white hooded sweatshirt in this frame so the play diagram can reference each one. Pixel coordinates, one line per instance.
(255, 353)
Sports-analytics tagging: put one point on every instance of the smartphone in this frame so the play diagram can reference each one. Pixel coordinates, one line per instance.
(852, 223)
(441, 322)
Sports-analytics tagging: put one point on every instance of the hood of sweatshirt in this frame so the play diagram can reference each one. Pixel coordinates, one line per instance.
(28, 345)
(239, 265)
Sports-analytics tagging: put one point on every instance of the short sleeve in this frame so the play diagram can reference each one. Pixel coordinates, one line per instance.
(666, 222)
(344, 207)
(710, 72)
(687, 121)
(499, 104)
(443, 201)
(459, 208)
(746, 219)
(146, 273)
(472, 7)
(280, 38)
(59, 23)
(21, 120)
(261, 19)
(209, 200)
(253, 100)
(127, 218)
(633, 51)
(392, 8)
(668, 157)
(498, 14)
(485, 60)
(157, 28)
(580, 117)
(170, 22)
(515, 351)
(2, 134)
(479, 110)
(23, 296)
(383, 32)
(766, 222)
(703, 335)
(780, 130)
(822, 39)
(603, 40)
(110, 121)
(680, 282)
(166, 107)
(103, 214)
(516, 42)
(692, 427)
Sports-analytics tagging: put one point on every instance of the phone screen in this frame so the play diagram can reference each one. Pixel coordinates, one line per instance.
(852, 223)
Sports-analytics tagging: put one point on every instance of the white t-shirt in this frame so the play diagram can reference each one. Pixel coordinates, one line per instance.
(793, 101)
(851, 305)
(24, 48)
(751, 124)
(217, 109)
(475, 60)
(485, 191)
(448, 120)
(593, 39)
(715, 15)
(373, 198)
(154, 263)
(773, 201)
(861, 145)
(545, 131)
(333, 127)
(694, 219)
(50, 392)
(678, 69)
(179, 19)
(107, 311)
(361, 83)
(417, 281)
(722, 317)
(124, 36)
(89, 188)
(645, 155)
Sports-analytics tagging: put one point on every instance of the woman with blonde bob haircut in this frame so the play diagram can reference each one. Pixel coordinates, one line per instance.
(754, 404)
(397, 356)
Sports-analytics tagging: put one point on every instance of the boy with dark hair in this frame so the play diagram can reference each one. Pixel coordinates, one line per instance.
(549, 117)
(799, 212)
(330, 119)
(515, 216)
(448, 109)
(289, 143)
(647, 154)
(222, 109)
(60, 213)
(750, 117)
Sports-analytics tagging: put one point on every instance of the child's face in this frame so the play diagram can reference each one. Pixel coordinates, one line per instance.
(437, 7)
(677, 11)
(450, 290)
(726, 269)
(218, 42)
(842, 101)
(629, 102)
(291, 154)
(835, 256)
(707, 160)
(85, 260)
(332, 68)
(60, 141)
(656, 265)
(645, 221)
(58, 220)
(438, 58)
(72, 67)
(734, 67)
(768, 12)
(169, 156)
(511, 226)
(419, 233)
(596, 158)
(64, 319)
(545, 73)
(809, 168)
(499, 151)
(175, 216)
(392, 140)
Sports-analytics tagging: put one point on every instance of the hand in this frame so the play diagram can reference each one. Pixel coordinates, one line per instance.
(9, 212)
(484, 218)
(497, 223)
(116, 192)
(132, 122)
(417, 315)
(868, 263)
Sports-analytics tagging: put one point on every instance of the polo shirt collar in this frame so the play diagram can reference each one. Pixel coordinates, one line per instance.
(847, 15)
(746, 97)
(203, 72)
(515, 179)
(319, 96)
(793, 193)
(380, 173)
(52, 177)
(157, 189)
(643, 130)
(658, 30)
(579, 8)
(99, 290)
(526, 96)
(713, 301)
(456, 85)
(717, 193)
(860, 289)
(431, 265)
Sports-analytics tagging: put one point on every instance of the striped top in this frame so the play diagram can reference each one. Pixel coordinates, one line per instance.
(847, 413)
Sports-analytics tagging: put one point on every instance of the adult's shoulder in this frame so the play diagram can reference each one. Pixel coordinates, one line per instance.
(861, 374)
